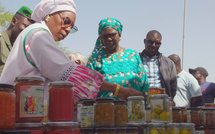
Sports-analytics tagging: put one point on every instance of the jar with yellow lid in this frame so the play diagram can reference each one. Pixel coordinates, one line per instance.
(136, 109)
(29, 98)
(104, 112)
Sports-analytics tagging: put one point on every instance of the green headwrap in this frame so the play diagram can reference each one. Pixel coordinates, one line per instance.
(106, 23)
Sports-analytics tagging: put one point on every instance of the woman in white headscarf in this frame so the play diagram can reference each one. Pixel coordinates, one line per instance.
(35, 52)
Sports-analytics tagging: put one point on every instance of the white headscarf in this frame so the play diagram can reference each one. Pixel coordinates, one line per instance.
(46, 7)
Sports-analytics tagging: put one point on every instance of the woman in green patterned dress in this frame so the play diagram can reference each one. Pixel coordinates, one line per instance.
(119, 65)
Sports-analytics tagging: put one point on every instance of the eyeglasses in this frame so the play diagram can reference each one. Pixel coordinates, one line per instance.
(151, 42)
(106, 36)
(67, 22)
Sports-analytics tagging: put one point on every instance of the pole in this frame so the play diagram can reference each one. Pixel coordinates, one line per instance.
(185, 2)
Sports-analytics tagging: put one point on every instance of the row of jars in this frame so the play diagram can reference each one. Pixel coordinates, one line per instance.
(26, 104)
(73, 128)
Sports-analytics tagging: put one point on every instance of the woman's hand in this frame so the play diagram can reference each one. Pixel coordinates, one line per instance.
(124, 92)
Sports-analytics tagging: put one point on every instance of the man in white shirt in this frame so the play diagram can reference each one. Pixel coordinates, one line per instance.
(188, 92)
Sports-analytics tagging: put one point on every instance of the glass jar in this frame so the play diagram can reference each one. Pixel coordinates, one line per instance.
(63, 128)
(152, 91)
(209, 104)
(172, 128)
(34, 128)
(79, 106)
(183, 114)
(155, 128)
(7, 106)
(132, 130)
(210, 131)
(104, 112)
(200, 130)
(194, 115)
(136, 109)
(148, 114)
(160, 108)
(120, 113)
(29, 98)
(162, 91)
(87, 113)
(139, 127)
(16, 132)
(186, 128)
(208, 116)
(121, 130)
(87, 131)
(61, 101)
(170, 109)
(176, 114)
(105, 130)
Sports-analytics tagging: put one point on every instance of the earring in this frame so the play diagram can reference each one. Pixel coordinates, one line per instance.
(47, 18)
(119, 38)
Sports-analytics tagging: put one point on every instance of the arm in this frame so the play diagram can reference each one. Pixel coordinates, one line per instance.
(173, 81)
(196, 101)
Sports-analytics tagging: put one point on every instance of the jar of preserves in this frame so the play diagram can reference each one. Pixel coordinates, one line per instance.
(148, 114)
(29, 98)
(200, 130)
(87, 113)
(152, 91)
(162, 91)
(139, 127)
(7, 106)
(104, 112)
(132, 130)
(194, 115)
(172, 128)
(183, 114)
(120, 113)
(209, 104)
(105, 130)
(87, 131)
(160, 108)
(79, 106)
(34, 128)
(136, 109)
(16, 132)
(176, 114)
(155, 128)
(121, 130)
(186, 128)
(208, 116)
(63, 128)
(61, 101)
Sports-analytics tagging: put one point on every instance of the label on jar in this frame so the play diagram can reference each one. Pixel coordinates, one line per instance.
(129, 106)
(87, 116)
(79, 112)
(31, 101)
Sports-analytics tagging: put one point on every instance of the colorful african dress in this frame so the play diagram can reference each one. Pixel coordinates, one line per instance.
(124, 68)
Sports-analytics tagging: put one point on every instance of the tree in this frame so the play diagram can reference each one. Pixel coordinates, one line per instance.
(5, 17)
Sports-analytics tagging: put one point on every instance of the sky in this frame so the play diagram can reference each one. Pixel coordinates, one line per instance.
(140, 16)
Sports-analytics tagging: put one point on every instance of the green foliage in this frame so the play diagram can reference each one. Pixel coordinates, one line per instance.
(5, 17)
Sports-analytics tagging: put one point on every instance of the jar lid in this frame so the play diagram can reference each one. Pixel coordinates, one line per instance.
(176, 108)
(171, 124)
(208, 108)
(2, 85)
(105, 129)
(135, 124)
(148, 108)
(88, 101)
(62, 124)
(158, 96)
(20, 125)
(121, 129)
(104, 99)
(155, 124)
(119, 102)
(61, 83)
(81, 100)
(135, 98)
(193, 108)
(85, 129)
(16, 132)
(29, 77)
(186, 124)
(200, 128)
(132, 128)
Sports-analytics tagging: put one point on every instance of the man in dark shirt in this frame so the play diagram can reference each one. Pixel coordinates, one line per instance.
(208, 88)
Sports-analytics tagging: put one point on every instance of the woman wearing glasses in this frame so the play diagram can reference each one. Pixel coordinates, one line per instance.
(118, 64)
(36, 53)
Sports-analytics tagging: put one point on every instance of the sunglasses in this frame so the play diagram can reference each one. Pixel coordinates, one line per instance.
(67, 22)
(151, 42)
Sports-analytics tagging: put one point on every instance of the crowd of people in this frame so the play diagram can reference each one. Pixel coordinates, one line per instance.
(110, 71)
